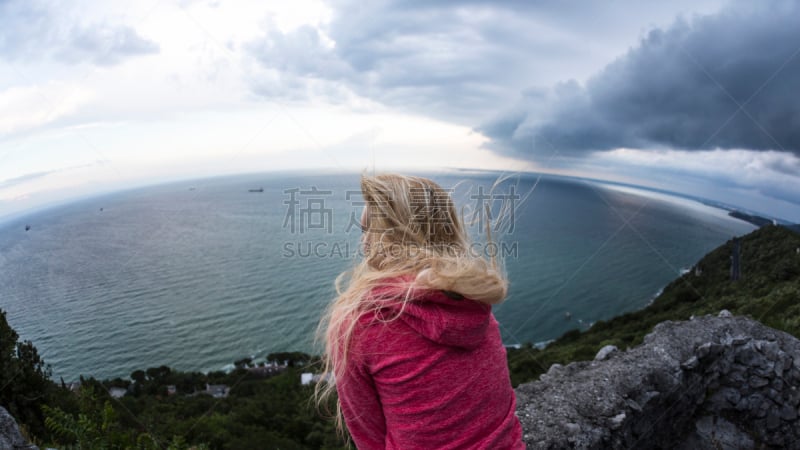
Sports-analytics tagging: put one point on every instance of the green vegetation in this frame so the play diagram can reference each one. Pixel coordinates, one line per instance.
(25, 385)
(260, 411)
(166, 409)
(768, 291)
(755, 220)
(263, 409)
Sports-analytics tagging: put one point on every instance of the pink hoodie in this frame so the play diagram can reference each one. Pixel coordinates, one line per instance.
(435, 378)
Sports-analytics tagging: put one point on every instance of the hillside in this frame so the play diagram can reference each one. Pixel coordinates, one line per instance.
(768, 291)
(755, 220)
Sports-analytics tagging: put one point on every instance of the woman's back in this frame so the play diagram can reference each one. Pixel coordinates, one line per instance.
(436, 377)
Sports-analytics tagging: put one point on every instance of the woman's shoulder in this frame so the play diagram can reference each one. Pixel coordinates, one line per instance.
(379, 322)
(382, 331)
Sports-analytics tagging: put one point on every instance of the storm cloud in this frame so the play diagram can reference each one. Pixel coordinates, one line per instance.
(31, 32)
(456, 61)
(730, 80)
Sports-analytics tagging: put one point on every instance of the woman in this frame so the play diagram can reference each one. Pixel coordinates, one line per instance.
(411, 341)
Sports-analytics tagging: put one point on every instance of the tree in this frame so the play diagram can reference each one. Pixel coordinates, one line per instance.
(243, 363)
(24, 378)
(158, 373)
(138, 376)
(293, 359)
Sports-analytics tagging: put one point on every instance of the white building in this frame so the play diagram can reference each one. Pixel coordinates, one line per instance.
(217, 390)
(117, 392)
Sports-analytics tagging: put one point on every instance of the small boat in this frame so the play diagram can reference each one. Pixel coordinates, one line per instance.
(261, 189)
(568, 315)
(27, 227)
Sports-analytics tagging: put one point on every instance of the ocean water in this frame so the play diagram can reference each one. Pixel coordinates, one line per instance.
(199, 273)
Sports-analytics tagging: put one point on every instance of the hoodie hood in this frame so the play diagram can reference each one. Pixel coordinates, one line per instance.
(436, 315)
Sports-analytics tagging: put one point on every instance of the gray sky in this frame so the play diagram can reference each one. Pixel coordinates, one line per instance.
(699, 97)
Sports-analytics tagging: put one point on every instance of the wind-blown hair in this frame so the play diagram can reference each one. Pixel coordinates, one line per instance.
(412, 232)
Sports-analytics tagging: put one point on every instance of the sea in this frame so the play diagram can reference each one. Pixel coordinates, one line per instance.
(197, 274)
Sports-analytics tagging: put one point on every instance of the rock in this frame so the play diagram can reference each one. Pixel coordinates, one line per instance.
(773, 420)
(743, 404)
(758, 382)
(617, 420)
(633, 405)
(716, 432)
(758, 406)
(788, 413)
(572, 428)
(725, 314)
(709, 349)
(730, 395)
(690, 363)
(748, 356)
(771, 350)
(793, 396)
(10, 436)
(737, 377)
(778, 367)
(552, 371)
(774, 395)
(739, 340)
(656, 396)
(605, 351)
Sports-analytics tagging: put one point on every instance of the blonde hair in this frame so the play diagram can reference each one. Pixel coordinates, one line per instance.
(412, 231)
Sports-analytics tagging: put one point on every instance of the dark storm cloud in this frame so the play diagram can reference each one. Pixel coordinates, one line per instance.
(31, 32)
(727, 80)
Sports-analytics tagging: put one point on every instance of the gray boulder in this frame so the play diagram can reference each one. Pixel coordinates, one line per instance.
(708, 383)
(10, 436)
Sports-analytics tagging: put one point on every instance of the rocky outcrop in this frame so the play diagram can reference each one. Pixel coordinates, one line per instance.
(711, 382)
(10, 436)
